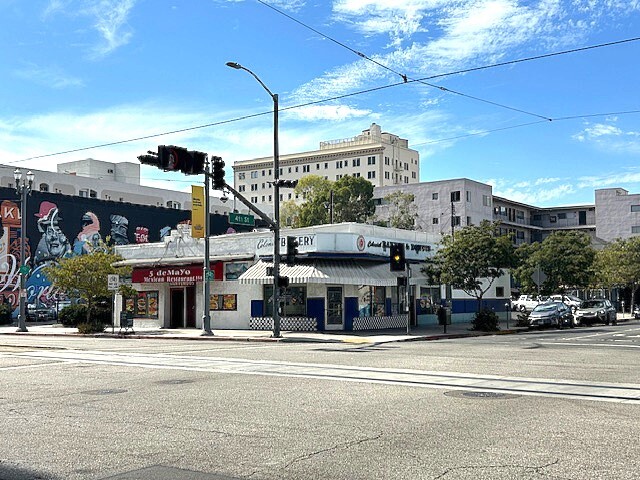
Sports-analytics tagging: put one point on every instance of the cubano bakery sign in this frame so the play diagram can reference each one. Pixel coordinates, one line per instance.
(171, 275)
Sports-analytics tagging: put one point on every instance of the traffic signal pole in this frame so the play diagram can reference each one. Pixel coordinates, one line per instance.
(206, 317)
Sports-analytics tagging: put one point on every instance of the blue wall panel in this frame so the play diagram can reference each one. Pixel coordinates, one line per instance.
(351, 310)
(315, 309)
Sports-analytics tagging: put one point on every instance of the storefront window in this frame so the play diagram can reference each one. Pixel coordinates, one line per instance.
(372, 301)
(144, 305)
(223, 302)
(294, 301)
(428, 300)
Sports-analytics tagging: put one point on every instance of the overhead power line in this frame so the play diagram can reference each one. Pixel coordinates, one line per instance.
(352, 94)
(405, 78)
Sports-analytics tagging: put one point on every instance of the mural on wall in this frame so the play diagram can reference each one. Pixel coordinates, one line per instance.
(53, 219)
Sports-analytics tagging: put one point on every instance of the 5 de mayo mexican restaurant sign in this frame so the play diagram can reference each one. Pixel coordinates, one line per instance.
(172, 275)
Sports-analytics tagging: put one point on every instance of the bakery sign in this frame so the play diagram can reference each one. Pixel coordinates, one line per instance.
(182, 276)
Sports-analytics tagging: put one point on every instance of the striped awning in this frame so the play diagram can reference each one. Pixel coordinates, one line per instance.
(345, 272)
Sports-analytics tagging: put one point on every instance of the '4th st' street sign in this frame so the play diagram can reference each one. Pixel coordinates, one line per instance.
(241, 219)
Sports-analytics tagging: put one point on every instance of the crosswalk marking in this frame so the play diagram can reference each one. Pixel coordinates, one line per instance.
(607, 392)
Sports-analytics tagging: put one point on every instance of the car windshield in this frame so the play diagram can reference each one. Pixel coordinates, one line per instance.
(572, 298)
(592, 304)
(545, 307)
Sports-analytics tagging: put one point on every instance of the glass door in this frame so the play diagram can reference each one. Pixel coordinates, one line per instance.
(335, 318)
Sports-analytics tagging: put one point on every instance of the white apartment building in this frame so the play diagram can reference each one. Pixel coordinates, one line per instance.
(117, 182)
(617, 213)
(442, 206)
(380, 157)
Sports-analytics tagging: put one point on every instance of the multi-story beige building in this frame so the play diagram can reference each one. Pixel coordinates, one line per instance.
(380, 157)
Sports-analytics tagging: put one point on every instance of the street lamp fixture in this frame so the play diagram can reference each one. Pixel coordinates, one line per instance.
(276, 201)
(23, 189)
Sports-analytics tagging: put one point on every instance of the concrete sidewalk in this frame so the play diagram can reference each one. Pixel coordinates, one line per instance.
(422, 333)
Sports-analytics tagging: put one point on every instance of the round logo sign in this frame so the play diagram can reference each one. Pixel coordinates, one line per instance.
(360, 244)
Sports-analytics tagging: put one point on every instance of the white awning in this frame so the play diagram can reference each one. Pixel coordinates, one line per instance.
(345, 272)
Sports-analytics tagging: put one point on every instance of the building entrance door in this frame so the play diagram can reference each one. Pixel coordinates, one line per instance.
(335, 317)
(191, 307)
(177, 308)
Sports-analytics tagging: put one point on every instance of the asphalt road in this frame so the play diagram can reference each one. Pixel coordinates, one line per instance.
(549, 405)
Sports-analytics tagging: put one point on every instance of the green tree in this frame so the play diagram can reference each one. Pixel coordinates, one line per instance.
(352, 199)
(618, 265)
(289, 213)
(85, 276)
(566, 258)
(314, 191)
(472, 259)
(402, 212)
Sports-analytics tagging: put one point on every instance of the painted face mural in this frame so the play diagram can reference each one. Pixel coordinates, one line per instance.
(119, 230)
(53, 244)
(89, 239)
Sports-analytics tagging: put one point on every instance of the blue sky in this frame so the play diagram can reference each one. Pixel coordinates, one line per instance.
(80, 73)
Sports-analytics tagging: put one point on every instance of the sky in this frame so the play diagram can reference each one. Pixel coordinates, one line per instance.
(538, 98)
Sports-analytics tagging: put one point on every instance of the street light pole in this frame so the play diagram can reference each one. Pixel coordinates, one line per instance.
(23, 189)
(276, 201)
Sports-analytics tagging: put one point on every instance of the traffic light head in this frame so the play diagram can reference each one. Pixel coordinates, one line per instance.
(292, 250)
(396, 257)
(283, 282)
(179, 159)
(218, 173)
(149, 160)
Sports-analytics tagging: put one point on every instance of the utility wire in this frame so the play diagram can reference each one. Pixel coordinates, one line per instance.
(339, 97)
(405, 78)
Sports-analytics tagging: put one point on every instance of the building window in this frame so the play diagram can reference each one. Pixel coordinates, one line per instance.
(414, 175)
(553, 219)
(499, 292)
(371, 160)
(371, 174)
(562, 216)
(263, 197)
(356, 162)
(289, 170)
(386, 160)
(455, 196)
(263, 172)
(241, 176)
(434, 196)
(326, 165)
(270, 198)
(44, 187)
(254, 174)
(254, 187)
(635, 229)
(455, 221)
(263, 185)
(297, 169)
(306, 168)
(386, 175)
(469, 221)
(435, 220)
(317, 166)
(468, 196)
(109, 170)
(241, 188)
(406, 179)
(294, 300)
(372, 301)
(289, 197)
(357, 174)
(486, 201)
(635, 208)
(83, 193)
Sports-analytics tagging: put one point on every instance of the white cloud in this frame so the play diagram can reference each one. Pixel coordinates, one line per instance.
(53, 77)
(327, 112)
(531, 193)
(610, 138)
(109, 17)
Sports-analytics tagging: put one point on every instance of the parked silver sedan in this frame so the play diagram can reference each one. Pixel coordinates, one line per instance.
(596, 310)
(551, 314)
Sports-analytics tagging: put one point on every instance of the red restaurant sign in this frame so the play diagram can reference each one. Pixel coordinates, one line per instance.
(173, 275)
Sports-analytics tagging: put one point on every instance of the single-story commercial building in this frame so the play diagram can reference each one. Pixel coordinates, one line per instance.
(341, 280)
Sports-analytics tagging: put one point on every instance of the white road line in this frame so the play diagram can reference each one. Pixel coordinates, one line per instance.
(39, 365)
(598, 391)
(610, 345)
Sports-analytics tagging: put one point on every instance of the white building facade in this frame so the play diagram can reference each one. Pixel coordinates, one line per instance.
(380, 157)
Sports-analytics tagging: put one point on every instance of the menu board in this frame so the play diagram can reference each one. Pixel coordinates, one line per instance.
(145, 305)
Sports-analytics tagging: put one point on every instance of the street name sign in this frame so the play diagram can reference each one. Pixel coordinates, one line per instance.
(242, 219)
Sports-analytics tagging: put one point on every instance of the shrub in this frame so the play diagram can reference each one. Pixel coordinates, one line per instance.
(90, 327)
(486, 321)
(73, 315)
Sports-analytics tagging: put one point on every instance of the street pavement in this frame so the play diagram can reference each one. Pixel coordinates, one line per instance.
(421, 333)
